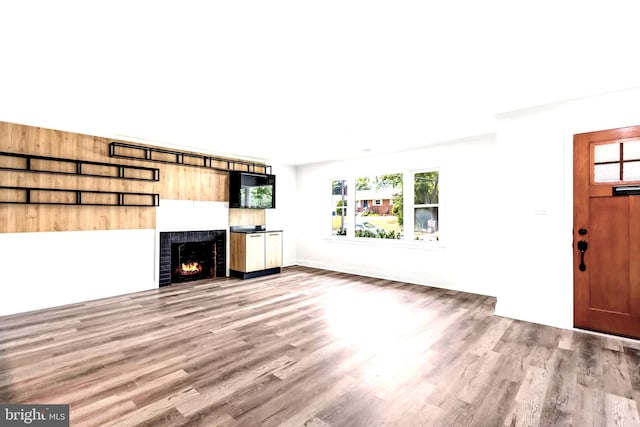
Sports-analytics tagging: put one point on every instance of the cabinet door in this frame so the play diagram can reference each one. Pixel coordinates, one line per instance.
(273, 250)
(254, 252)
(238, 250)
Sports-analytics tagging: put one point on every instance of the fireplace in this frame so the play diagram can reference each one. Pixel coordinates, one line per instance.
(192, 255)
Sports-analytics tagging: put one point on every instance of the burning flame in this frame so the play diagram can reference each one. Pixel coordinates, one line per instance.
(190, 268)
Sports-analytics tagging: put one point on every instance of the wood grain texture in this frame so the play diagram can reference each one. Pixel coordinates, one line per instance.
(273, 249)
(176, 183)
(247, 216)
(313, 348)
(607, 289)
(238, 251)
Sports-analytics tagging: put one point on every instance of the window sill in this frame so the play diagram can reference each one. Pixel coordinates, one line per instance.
(386, 243)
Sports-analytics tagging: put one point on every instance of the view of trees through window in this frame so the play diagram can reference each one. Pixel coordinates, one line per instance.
(378, 208)
(339, 200)
(258, 197)
(425, 205)
(379, 204)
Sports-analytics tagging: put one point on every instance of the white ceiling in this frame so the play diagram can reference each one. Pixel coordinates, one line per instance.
(299, 81)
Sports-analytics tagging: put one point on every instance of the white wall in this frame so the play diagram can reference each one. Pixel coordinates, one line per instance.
(283, 217)
(533, 250)
(69, 267)
(42, 270)
(467, 198)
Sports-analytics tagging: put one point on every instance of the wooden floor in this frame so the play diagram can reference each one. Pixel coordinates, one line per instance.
(313, 348)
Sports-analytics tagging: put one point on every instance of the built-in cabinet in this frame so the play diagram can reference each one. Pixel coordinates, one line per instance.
(255, 254)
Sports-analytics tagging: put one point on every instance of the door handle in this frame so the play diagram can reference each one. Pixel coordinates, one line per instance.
(582, 247)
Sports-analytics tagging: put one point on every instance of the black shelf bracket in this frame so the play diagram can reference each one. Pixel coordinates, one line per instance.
(33, 163)
(182, 158)
(56, 196)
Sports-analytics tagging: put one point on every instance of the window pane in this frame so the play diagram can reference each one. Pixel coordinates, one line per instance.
(631, 171)
(631, 150)
(425, 187)
(339, 205)
(606, 173)
(606, 153)
(426, 223)
(379, 206)
(425, 218)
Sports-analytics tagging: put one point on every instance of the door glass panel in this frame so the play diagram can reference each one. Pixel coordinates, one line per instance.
(606, 153)
(631, 171)
(631, 150)
(606, 173)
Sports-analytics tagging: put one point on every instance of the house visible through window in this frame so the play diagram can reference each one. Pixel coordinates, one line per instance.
(379, 206)
(380, 202)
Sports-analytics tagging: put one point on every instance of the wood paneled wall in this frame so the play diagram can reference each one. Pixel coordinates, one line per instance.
(176, 183)
(247, 217)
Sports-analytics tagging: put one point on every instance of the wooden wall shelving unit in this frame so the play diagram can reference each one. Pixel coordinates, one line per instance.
(184, 158)
(59, 165)
(57, 196)
(176, 181)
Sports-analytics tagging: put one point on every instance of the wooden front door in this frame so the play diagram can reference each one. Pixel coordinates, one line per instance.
(606, 221)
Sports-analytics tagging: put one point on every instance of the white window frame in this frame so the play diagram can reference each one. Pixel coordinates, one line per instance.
(348, 209)
(409, 202)
(407, 240)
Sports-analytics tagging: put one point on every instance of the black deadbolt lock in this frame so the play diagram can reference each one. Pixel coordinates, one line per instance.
(582, 247)
(582, 231)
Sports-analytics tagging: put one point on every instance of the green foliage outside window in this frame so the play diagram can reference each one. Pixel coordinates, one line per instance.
(394, 181)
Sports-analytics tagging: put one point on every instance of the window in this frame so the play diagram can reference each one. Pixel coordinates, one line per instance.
(379, 202)
(375, 219)
(425, 205)
(617, 162)
(339, 213)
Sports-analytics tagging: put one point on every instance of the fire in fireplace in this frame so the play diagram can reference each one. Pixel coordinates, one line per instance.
(190, 268)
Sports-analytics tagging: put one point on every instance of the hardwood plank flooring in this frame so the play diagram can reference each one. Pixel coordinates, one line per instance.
(311, 347)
